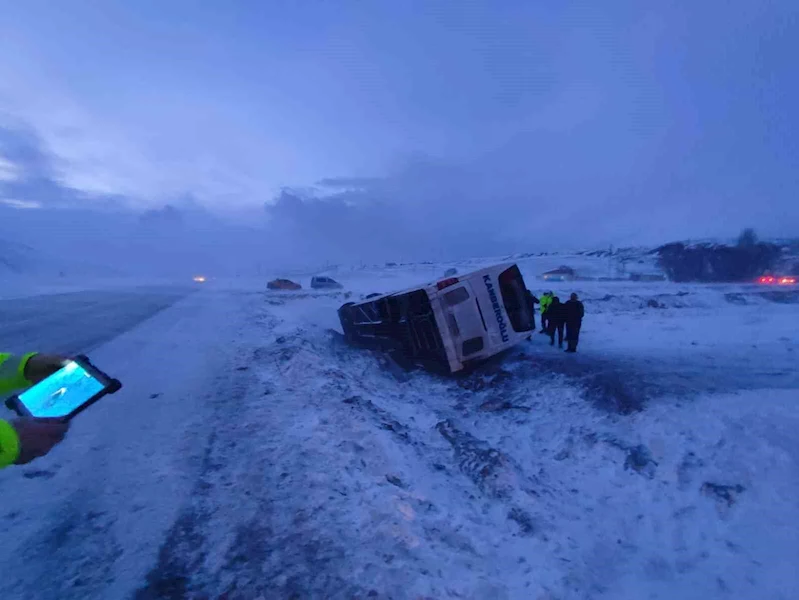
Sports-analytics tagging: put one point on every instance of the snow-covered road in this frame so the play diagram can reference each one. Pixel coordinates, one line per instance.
(86, 521)
(253, 455)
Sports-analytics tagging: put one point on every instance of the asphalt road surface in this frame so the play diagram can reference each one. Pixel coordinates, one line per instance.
(78, 322)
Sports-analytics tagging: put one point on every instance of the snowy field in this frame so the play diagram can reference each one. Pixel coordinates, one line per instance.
(252, 454)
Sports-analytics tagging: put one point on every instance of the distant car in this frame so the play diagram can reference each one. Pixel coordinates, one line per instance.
(199, 279)
(778, 280)
(450, 272)
(325, 283)
(560, 274)
(283, 284)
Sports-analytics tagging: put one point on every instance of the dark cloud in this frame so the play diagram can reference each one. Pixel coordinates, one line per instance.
(646, 130)
(36, 178)
(23, 148)
(33, 171)
(177, 239)
(426, 211)
(546, 190)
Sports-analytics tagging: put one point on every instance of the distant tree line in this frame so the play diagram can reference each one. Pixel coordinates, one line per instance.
(745, 261)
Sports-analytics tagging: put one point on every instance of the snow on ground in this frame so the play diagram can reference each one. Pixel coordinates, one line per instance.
(253, 454)
(85, 521)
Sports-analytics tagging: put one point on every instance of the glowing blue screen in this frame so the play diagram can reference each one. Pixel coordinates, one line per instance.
(61, 393)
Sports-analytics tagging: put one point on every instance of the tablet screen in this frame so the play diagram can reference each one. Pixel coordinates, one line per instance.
(62, 392)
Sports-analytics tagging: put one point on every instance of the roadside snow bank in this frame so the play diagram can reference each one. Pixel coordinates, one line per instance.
(356, 479)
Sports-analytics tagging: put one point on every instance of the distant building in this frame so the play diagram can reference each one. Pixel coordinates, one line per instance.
(560, 274)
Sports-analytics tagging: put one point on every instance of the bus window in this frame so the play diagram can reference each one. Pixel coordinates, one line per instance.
(456, 296)
(472, 346)
(511, 286)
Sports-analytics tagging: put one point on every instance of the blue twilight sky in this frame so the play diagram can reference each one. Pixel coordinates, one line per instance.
(575, 122)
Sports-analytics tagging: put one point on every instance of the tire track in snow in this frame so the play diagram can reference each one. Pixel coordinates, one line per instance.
(71, 535)
(502, 402)
(502, 483)
(181, 556)
(79, 544)
(349, 475)
(312, 553)
(347, 481)
(306, 504)
(583, 545)
(180, 571)
(246, 532)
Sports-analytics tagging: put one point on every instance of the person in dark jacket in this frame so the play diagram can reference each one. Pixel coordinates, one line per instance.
(555, 321)
(573, 312)
(532, 301)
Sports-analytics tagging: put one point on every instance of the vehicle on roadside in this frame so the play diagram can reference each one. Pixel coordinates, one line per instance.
(448, 325)
(283, 284)
(777, 280)
(320, 282)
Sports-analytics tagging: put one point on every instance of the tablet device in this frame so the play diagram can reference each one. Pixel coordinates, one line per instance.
(65, 393)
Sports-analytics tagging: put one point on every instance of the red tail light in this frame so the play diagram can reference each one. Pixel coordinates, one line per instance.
(445, 283)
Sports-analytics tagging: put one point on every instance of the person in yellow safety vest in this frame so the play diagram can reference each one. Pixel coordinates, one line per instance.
(22, 440)
(546, 300)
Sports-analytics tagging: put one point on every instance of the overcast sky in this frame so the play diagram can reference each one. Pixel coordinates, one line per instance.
(494, 122)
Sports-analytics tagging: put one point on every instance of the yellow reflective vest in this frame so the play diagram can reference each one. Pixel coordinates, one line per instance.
(12, 377)
(546, 300)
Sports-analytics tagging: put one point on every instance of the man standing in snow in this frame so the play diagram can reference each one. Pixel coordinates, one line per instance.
(555, 321)
(573, 313)
(546, 300)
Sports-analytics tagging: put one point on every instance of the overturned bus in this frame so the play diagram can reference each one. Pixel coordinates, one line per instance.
(447, 325)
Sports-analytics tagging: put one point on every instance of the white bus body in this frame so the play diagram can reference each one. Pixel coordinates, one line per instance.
(449, 324)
